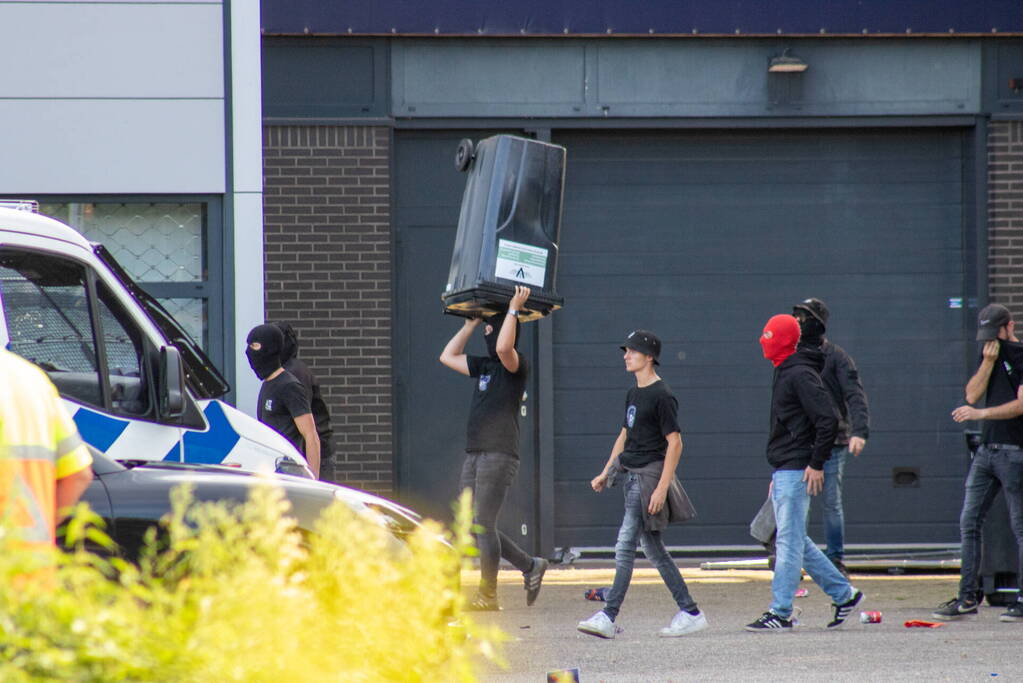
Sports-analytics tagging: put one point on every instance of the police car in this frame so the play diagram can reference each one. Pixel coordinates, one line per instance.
(136, 384)
(135, 495)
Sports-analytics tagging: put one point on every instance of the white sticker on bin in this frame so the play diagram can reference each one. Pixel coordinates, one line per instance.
(521, 262)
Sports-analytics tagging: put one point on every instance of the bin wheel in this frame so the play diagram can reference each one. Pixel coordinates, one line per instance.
(464, 154)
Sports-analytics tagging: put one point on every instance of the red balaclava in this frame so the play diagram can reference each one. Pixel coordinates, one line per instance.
(781, 334)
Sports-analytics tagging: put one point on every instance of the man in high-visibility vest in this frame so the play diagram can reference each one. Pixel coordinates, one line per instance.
(44, 465)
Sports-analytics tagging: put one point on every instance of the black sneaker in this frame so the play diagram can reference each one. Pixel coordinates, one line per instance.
(533, 579)
(483, 603)
(771, 622)
(842, 611)
(955, 609)
(1014, 613)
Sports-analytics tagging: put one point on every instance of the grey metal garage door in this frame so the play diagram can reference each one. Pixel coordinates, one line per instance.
(701, 236)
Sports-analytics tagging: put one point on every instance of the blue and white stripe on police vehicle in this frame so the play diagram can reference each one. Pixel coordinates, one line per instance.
(231, 438)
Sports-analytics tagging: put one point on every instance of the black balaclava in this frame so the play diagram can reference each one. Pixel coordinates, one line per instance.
(812, 331)
(290, 347)
(495, 321)
(268, 358)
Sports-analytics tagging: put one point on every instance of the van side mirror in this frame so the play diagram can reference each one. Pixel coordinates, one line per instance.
(172, 383)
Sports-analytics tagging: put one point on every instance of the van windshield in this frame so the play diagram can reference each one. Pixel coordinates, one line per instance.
(203, 378)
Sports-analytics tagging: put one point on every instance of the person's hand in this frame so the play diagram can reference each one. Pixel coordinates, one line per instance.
(991, 350)
(518, 300)
(856, 444)
(657, 499)
(599, 482)
(814, 480)
(964, 413)
(473, 323)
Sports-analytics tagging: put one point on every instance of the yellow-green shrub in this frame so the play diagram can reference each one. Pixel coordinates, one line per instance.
(239, 595)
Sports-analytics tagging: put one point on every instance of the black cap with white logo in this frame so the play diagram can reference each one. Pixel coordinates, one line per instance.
(992, 318)
(645, 342)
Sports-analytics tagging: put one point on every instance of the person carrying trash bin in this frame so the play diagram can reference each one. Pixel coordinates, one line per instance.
(645, 455)
(802, 431)
(492, 444)
(998, 463)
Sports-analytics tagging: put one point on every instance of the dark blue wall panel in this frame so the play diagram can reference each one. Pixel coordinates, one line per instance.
(557, 17)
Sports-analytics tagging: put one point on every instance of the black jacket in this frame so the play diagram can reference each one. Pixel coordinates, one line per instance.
(803, 419)
(842, 380)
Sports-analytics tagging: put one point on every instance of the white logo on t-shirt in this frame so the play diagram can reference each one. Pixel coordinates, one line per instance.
(269, 405)
(630, 416)
(484, 381)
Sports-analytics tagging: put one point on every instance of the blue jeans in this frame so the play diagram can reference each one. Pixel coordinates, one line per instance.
(834, 518)
(991, 470)
(795, 550)
(488, 475)
(631, 532)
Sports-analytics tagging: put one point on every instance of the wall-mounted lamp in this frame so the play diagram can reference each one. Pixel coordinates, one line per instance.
(786, 64)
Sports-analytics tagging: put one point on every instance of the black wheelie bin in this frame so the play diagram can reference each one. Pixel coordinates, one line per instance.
(508, 227)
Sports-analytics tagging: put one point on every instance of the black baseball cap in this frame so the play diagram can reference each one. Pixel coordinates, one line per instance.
(992, 318)
(644, 342)
(816, 308)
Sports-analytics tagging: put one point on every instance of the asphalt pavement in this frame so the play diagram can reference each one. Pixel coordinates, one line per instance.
(543, 638)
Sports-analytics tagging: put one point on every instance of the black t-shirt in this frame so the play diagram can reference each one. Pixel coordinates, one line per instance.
(651, 414)
(494, 412)
(281, 400)
(321, 416)
(1002, 388)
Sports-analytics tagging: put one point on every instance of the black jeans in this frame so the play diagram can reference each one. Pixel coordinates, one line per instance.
(488, 475)
(991, 470)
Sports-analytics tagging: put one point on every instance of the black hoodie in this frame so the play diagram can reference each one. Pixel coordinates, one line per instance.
(803, 420)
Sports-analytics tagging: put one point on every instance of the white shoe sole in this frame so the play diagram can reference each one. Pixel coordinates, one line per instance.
(593, 632)
(768, 630)
(692, 628)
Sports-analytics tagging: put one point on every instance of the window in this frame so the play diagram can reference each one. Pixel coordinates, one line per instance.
(123, 349)
(171, 246)
(46, 305)
(161, 245)
(49, 322)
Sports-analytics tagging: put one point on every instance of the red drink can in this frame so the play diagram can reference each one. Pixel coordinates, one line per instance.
(870, 617)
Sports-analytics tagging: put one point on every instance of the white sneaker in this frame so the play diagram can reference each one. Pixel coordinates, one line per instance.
(683, 623)
(598, 625)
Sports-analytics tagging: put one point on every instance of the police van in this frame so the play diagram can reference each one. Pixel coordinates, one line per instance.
(138, 387)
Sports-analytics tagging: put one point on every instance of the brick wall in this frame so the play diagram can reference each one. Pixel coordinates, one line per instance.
(328, 272)
(1005, 214)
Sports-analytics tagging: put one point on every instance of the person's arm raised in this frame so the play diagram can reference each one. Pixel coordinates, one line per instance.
(506, 339)
(453, 355)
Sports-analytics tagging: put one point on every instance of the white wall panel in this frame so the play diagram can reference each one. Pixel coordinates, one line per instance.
(246, 99)
(247, 193)
(247, 307)
(111, 146)
(111, 50)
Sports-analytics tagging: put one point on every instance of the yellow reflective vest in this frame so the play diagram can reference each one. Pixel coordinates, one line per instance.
(39, 444)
